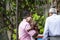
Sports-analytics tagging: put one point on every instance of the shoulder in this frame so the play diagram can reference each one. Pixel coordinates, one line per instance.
(48, 18)
(58, 16)
(22, 23)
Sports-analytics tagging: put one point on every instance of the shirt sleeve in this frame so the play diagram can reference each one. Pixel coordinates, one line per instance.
(27, 27)
(32, 32)
(45, 34)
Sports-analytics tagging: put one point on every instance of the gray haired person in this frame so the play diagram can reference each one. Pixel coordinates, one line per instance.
(52, 26)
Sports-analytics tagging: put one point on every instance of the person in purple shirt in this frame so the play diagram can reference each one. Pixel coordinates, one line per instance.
(25, 30)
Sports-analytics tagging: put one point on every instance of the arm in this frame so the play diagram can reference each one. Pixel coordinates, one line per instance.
(28, 27)
(45, 34)
(35, 27)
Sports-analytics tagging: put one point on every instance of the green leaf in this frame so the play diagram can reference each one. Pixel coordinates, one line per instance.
(14, 36)
(15, 30)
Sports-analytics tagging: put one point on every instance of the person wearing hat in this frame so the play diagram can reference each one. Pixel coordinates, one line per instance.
(52, 26)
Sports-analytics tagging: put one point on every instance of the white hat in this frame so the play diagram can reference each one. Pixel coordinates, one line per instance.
(53, 10)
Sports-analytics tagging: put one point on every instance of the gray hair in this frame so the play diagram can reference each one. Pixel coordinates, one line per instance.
(53, 10)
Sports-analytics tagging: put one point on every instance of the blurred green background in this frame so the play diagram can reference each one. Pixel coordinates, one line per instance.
(39, 9)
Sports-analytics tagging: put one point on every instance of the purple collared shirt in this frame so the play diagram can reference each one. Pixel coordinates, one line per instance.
(23, 33)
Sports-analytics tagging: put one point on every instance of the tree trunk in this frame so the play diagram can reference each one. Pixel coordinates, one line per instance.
(8, 9)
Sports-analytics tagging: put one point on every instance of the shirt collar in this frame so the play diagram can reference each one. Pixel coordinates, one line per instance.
(54, 14)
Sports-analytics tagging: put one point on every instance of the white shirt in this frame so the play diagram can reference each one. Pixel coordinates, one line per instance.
(52, 26)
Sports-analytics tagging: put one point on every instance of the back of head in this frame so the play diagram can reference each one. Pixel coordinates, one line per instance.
(26, 14)
(53, 10)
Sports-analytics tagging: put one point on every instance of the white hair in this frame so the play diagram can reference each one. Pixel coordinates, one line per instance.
(53, 10)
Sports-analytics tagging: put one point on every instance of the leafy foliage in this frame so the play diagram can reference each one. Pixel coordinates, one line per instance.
(8, 14)
(40, 22)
